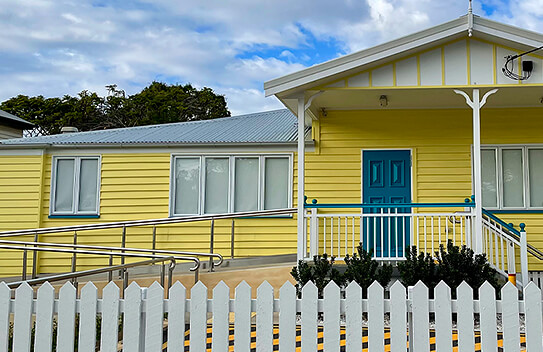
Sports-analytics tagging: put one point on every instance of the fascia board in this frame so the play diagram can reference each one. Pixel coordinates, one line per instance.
(507, 32)
(364, 57)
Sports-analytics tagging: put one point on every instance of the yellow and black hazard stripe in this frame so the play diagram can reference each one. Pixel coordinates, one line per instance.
(320, 342)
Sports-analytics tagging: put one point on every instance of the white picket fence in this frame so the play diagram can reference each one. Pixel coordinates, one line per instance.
(144, 318)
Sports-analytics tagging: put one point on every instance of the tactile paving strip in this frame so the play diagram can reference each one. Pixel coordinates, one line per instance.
(320, 336)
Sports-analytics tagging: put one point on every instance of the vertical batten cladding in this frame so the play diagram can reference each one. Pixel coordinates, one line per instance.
(136, 186)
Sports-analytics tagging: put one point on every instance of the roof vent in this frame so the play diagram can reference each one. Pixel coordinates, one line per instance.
(68, 129)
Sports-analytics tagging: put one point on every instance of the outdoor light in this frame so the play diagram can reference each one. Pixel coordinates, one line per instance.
(383, 101)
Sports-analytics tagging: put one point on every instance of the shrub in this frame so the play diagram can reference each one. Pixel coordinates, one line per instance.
(418, 266)
(364, 270)
(452, 265)
(320, 272)
(457, 264)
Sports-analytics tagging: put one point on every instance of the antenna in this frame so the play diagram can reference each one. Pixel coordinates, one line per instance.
(470, 19)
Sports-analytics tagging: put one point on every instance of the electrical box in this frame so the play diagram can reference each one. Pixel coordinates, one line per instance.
(527, 66)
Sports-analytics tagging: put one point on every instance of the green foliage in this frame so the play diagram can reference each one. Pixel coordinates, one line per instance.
(320, 272)
(364, 270)
(418, 266)
(452, 265)
(457, 264)
(158, 103)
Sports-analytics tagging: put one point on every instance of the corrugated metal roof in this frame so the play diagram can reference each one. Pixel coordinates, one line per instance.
(14, 119)
(278, 126)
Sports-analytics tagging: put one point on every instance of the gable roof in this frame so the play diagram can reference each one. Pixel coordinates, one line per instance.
(14, 121)
(270, 127)
(349, 64)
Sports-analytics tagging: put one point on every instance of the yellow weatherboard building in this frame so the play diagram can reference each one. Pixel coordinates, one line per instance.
(432, 137)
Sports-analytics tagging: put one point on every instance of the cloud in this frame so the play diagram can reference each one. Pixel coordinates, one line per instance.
(54, 48)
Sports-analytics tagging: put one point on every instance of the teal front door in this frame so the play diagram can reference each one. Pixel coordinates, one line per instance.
(386, 178)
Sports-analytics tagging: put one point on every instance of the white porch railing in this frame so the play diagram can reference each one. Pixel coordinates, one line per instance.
(507, 248)
(353, 321)
(387, 229)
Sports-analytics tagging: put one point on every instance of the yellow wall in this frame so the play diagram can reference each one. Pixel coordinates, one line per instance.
(441, 147)
(136, 186)
(133, 186)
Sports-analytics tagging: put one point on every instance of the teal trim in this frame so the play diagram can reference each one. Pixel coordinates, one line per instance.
(74, 216)
(523, 211)
(501, 222)
(390, 205)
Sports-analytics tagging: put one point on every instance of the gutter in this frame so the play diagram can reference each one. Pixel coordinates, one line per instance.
(150, 145)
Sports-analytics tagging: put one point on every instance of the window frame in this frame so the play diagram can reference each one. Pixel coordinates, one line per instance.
(231, 178)
(525, 174)
(75, 192)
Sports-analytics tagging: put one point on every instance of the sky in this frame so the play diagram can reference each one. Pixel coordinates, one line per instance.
(58, 47)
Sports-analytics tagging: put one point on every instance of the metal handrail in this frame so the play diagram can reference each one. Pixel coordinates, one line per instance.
(104, 253)
(151, 222)
(78, 274)
(121, 249)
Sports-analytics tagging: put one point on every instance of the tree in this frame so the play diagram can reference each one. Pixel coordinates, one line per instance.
(158, 103)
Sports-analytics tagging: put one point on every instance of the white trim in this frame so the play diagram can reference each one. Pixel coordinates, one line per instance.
(341, 66)
(75, 191)
(226, 150)
(231, 177)
(20, 152)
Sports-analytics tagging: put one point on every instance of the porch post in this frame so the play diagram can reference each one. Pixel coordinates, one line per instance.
(477, 172)
(302, 239)
(476, 104)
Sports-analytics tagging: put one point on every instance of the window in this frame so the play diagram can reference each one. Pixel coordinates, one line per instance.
(75, 186)
(229, 183)
(512, 177)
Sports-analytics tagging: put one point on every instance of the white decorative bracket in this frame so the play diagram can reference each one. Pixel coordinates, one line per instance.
(470, 102)
(308, 104)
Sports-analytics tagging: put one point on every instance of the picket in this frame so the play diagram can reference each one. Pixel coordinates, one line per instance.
(465, 324)
(309, 317)
(66, 318)
(22, 320)
(442, 294)
(132, 318)
(264, 318)
(221, 301)
(331, 308)
(421, 318)
(510, 318)
(176, 318)
(154, 317)
(376, 309)
(5, 298)
(144, 329)
(398, 318)
(43, 340)
(487, 306)
(534, 325)
(110, 318)
(198, 317)
(242, 323)
(287, 318)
